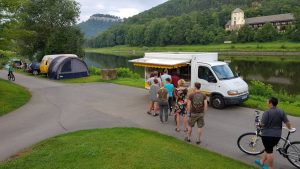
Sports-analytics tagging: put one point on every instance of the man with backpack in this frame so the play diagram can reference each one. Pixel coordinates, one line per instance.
(196, 108)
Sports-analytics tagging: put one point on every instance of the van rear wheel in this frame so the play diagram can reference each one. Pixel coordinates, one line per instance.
(217, 102)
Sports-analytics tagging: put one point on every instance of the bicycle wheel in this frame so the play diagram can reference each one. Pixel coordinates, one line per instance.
(293, 153)
(250, 143)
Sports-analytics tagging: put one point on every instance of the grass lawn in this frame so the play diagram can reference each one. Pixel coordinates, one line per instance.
(12, 96)
(96, 78)
(128, 51)
(258, 102)
(118, 148)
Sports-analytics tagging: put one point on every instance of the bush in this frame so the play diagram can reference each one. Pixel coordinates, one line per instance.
(258, 88)
(5, 56)
(94, 70)
(127, 73)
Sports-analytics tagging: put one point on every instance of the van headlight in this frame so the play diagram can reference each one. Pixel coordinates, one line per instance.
(232, 92)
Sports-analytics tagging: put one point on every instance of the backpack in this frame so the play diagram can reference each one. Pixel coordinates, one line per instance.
(198, 101)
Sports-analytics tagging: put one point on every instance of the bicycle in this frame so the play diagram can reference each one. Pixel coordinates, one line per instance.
(251, 143)
(11, 77)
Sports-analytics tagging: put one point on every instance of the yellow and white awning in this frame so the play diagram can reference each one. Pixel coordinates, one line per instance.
(160, 63)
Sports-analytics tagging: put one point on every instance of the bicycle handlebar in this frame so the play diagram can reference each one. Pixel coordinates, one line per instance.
(292, 130)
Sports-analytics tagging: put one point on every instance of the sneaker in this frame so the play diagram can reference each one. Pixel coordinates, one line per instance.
(187, 139)
(265, 167)
(148, 112)
(258, 163)
(155, 114)
(198, 142)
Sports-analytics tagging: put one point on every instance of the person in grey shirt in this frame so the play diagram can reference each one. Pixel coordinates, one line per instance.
(165, 76)
(271, 123)
(153, 105)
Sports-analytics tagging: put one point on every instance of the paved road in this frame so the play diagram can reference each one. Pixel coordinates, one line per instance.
(57, 108)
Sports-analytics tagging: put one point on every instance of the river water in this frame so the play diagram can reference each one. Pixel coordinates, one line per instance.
(282, 75)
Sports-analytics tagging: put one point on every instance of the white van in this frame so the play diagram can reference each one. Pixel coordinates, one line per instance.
(217, 80)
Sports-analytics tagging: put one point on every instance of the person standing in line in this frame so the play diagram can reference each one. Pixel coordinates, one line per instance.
(153, 98)
(271, 124)
(150, 81)
(163, 104)
(174, 79)
(170, 88)
(165, 76)
(180, 105)
(196, 108)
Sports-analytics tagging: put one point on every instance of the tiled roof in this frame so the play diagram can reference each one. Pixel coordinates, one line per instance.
(270, 18)
(237, 10)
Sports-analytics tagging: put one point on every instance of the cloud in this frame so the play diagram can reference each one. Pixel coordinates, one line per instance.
(123, 9)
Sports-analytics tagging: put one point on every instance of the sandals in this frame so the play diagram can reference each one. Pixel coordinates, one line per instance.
(187, 139)
(186, 130)
(198, 142)
(177, 129)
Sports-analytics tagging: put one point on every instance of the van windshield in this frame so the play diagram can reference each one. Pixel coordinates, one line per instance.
(223, 72)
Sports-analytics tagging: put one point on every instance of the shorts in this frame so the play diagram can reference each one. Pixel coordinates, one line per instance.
(199, 118)
(270, 143)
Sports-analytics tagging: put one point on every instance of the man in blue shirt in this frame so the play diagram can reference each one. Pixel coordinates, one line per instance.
(170, 88)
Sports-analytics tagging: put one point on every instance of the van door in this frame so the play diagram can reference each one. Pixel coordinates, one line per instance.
(206, 78)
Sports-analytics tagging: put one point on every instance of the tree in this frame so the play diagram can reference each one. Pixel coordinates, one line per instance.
(69, 39)
(246, 34)
(9, 31)
(135, 35)
(266, 33)
(47, 19)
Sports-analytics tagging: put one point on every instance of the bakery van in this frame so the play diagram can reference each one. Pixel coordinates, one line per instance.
(218, 81)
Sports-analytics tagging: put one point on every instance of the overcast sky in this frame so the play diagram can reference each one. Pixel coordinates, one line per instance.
(121, 8)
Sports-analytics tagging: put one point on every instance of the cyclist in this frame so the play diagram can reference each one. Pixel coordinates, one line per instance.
(10, 71)
(271, 124)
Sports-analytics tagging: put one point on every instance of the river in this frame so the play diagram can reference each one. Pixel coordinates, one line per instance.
(282, 75)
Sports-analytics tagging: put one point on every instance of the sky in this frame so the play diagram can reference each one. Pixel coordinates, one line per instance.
(121, 8)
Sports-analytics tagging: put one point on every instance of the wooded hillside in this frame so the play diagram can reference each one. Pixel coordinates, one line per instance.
(198, 22)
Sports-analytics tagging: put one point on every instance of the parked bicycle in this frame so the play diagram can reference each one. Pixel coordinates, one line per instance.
(11, 77)
(251, 143)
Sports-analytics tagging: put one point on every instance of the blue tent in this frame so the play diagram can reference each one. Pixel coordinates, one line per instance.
(66, 67)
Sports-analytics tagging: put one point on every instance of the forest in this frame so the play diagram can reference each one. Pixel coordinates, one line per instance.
(179, 22)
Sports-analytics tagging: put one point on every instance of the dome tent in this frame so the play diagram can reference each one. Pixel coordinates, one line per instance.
(66, 67)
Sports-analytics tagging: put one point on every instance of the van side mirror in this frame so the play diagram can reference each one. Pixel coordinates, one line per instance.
(212, 79)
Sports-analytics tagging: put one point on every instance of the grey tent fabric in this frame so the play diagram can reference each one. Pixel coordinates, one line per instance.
(65, 67)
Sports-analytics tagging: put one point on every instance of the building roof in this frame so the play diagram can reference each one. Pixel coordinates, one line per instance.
(237, 10)
(270, 18)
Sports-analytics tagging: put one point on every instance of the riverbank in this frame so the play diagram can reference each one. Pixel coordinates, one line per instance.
(12, 96)
(103, 148)
(263, 49)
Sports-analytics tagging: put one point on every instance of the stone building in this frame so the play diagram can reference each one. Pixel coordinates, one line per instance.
(238, 20)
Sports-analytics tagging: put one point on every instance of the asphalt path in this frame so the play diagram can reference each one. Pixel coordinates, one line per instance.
(56, 108)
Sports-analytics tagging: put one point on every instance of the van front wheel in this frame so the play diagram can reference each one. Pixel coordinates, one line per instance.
(217, 102)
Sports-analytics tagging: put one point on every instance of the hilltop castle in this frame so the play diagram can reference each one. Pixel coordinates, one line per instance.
(238, 20)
